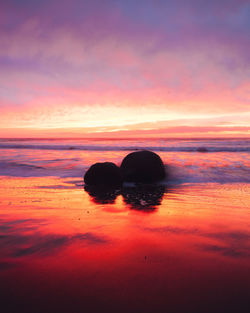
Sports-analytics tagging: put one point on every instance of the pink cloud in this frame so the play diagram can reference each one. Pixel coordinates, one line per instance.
(91, 57)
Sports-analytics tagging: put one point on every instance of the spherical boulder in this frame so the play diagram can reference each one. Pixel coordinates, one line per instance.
(106, 174)
(142, 167)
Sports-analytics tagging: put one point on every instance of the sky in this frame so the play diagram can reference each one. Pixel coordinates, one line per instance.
(107, 68)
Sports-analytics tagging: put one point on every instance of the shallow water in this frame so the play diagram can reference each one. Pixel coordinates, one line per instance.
(182, 246)
(225, 161)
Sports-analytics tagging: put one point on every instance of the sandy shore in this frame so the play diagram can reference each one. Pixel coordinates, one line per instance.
(66, 250)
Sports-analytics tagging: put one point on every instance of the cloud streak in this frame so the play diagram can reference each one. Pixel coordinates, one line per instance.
(94, 62)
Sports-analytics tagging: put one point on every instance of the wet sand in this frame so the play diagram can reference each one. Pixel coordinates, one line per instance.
(173, 249)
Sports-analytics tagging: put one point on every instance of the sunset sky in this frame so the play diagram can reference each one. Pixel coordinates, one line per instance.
(93, 68)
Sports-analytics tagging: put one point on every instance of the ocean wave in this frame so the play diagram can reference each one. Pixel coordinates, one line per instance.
(207, 174)
(177, 173)
(200, 149)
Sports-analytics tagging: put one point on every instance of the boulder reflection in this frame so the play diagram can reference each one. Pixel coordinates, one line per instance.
(102, 194)
(145, 198)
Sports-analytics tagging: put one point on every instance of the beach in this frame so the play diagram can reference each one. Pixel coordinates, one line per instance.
(179, 246)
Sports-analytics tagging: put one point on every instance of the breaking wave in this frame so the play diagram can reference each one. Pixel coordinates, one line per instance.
(187, 161)
(194, 148)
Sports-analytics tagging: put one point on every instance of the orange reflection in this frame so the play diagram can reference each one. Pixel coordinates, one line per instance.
(55, 240)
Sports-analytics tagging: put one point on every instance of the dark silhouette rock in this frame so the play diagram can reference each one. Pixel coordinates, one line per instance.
(202, 149)
(142, 167)
(106, 174)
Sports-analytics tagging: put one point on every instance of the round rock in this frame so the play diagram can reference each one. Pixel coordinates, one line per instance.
(142, 167)
(106, 174)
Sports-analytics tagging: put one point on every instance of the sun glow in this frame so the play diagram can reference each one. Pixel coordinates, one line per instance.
(115, 76)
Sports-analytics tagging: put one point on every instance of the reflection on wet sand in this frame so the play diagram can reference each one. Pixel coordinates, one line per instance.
(22, 238)
(144, 198)
(102, 195)
(67, 250)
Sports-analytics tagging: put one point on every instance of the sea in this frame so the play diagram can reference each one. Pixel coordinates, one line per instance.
(181, 245)
(187, 160)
